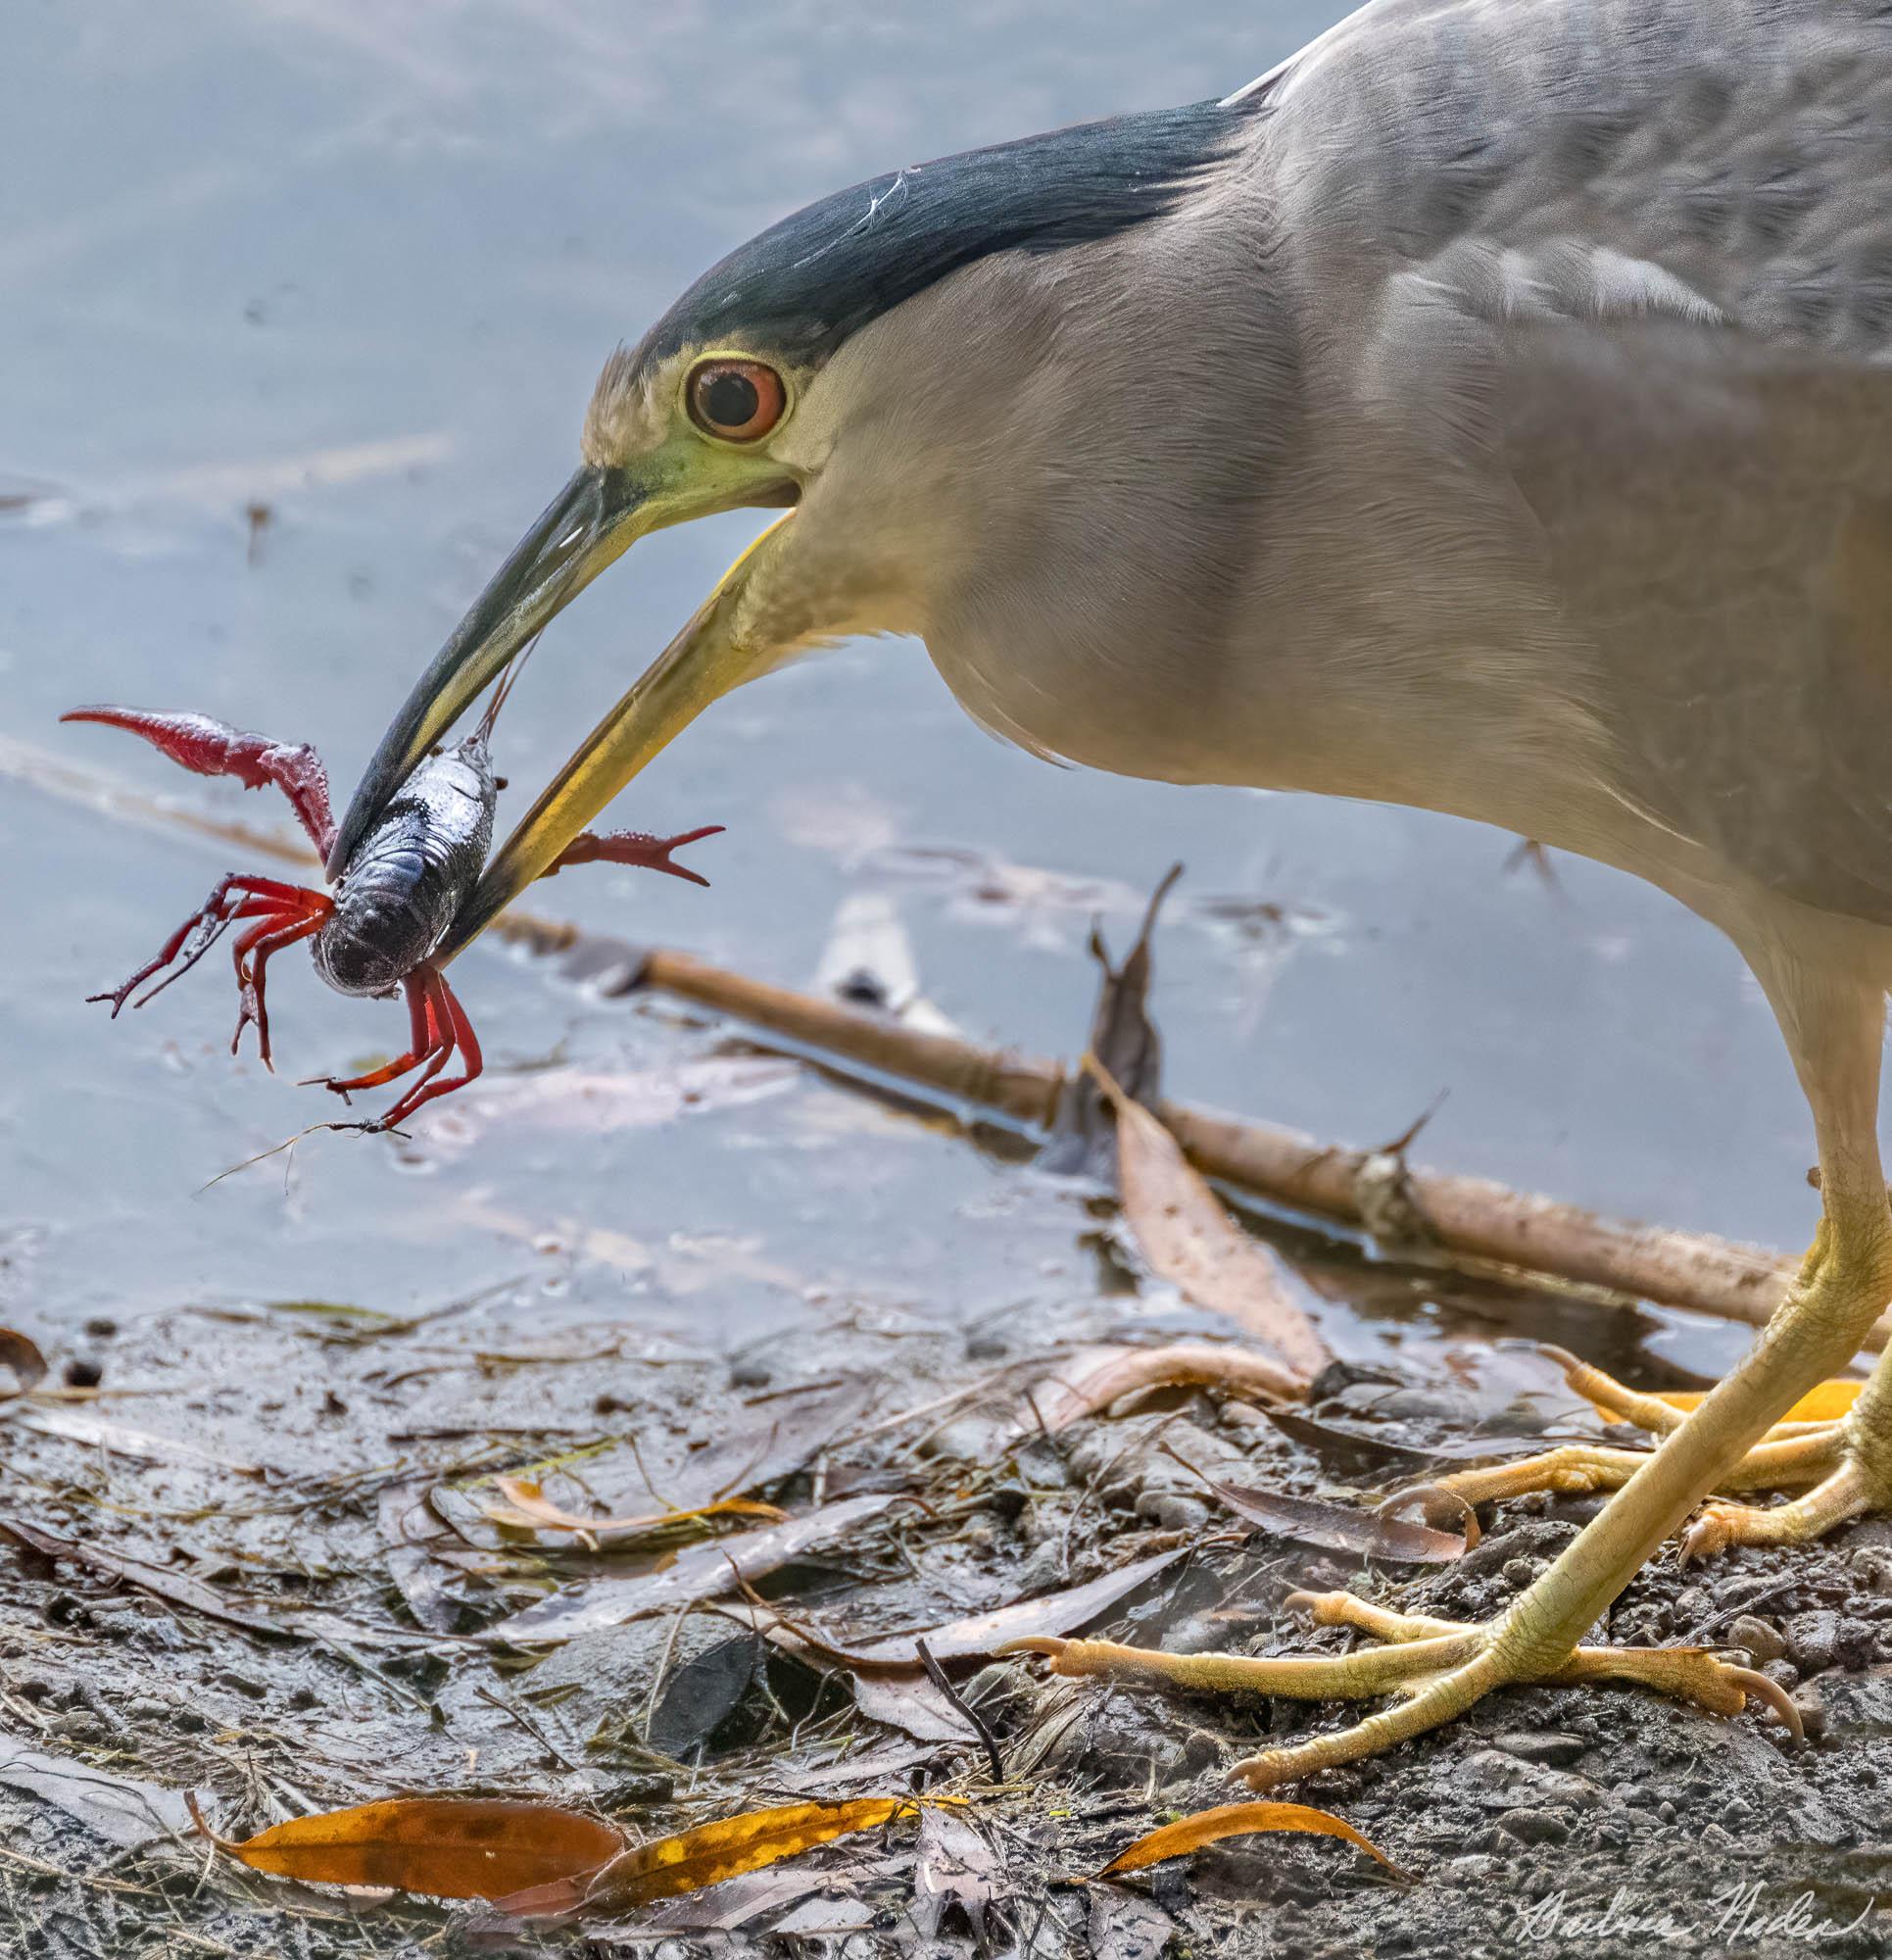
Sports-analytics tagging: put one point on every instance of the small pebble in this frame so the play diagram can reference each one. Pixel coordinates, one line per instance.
(101, 1327)
(1534, 1827)
(1764, 1641)
(1170, 1510)
(1523, 1572)
(1666, 1811)
(750, 1373)
(1541, 1745)
(1813, 1640)
(82, 1371)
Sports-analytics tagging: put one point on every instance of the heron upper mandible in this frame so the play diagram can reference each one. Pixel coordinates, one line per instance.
(1489, 410)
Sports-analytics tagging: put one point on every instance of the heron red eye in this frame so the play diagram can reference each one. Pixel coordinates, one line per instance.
(737, 399)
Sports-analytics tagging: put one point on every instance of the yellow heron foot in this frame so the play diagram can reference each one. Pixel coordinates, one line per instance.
(1802, 1449)
(1436, 1669)
(1783, 1462)
(1855, 1454)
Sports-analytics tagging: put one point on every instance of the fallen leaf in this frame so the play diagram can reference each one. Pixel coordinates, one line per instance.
(524, 1504)
(1124, 1927)
(956, 1866)
(1357, 1447)
(735, 1902)
(1123, 1037)
(1828, 1402)
(100, 1432)
(446, 1846)
(1237, 1820)
(179, 1589)
(1056, 1402)
(20, 1353)
(413, 1534)
(697, 1696)
(969, 1642)
(1190, 1239)
(906, 1699)
(1333, 1527)
(116, 1808)
(708, 1854)
(699, 1571)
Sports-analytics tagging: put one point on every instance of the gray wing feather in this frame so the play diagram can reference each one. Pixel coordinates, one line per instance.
(1662, 229)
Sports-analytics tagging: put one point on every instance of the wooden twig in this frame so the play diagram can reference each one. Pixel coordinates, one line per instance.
(1473, 1222)
(1472, 1219)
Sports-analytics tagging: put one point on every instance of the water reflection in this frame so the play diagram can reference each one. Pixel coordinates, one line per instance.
(353, 268)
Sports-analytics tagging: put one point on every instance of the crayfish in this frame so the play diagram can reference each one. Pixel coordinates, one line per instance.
(391, 907)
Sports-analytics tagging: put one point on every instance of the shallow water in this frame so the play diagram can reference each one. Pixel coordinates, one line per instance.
(359, 266)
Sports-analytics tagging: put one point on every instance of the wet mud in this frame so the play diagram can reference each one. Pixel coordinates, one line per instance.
(267, 1560)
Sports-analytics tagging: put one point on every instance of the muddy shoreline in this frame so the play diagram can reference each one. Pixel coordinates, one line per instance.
(300, 1505)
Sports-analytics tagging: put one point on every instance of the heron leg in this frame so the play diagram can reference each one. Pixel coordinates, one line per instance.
(1842, 1285)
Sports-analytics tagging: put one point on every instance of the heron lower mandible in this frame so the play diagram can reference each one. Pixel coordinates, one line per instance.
(1489, 409)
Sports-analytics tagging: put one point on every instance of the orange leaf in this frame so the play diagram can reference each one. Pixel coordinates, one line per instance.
(1237, 1820)
(448, 1847)
(1828, 1402)
(712, 1853)
(528, 1505)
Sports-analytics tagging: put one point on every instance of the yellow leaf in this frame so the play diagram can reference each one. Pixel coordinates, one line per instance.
(1190, 1240)
(447, 1846)
(1237, 1820)
(712, 1853)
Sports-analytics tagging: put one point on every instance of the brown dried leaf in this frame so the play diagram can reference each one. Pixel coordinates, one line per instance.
(526, 1505)
(698, 1572)
(446, 1846)
(1333, 1527)
(20, 1353)
(1056, 1402)
(710, 1853)
(1190, 1240)
(1237, 1820)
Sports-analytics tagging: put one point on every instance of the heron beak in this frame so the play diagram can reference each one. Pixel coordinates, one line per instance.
(592, 520)
(715, 652)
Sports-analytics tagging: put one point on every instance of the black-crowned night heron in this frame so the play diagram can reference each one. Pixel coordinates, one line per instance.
(1489, 410)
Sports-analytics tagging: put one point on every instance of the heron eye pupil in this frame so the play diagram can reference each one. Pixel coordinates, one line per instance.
(729, 400)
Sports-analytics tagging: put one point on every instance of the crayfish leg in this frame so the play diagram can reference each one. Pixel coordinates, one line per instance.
(438, 1030)
(213, 748)
(632, 847)
(208, 922)
(444, 1008)
(426, 1037)
(251, 954)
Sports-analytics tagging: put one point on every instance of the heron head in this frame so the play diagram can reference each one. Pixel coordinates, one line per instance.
(875, 367)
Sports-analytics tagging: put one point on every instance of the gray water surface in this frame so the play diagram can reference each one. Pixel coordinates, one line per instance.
(360, 265)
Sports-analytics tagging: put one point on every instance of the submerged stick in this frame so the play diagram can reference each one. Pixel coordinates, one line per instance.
(1472, 1218)
(1474, 1221)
